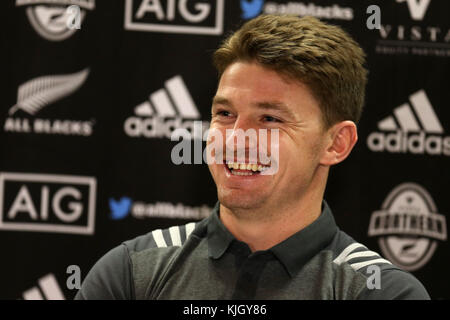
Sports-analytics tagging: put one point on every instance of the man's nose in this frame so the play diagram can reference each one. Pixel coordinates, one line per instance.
(243, 136)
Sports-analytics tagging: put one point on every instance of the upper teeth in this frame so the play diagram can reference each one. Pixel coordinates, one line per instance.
(246, 166)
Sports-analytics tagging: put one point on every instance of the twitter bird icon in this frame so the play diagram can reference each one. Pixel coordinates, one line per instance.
(119, 209)
(252, 8)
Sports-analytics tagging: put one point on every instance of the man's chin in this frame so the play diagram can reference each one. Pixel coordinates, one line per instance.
(239, 201)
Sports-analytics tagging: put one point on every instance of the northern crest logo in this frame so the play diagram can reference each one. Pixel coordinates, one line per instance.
(49, 17)
(37, 93)
(175, 16)
(414, 129)
(166, 110)
(408, 226)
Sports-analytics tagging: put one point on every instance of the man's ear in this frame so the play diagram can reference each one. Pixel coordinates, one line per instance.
(342, 138)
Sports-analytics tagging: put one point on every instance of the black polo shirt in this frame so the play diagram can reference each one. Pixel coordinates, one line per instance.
(204, 261)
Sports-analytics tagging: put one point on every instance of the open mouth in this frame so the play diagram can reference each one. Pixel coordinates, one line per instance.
(245, 169)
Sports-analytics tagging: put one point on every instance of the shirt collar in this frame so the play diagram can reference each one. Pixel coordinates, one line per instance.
(219, 238)
(298, 249)
(293, 252)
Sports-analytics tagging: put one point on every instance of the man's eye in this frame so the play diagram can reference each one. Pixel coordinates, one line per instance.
(223, 113)
(270, 119)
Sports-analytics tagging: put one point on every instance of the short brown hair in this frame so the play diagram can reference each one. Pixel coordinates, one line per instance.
(320, 55)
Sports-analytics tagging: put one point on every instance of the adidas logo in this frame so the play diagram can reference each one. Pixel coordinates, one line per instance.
(413, 129)
(167, 109)
(47, 287)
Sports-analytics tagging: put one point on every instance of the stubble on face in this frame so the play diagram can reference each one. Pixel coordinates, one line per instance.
(246, 85)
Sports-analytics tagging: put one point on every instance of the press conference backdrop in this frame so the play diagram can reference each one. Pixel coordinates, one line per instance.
(87, 114)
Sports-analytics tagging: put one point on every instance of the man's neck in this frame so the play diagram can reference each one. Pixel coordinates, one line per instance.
(263, 228)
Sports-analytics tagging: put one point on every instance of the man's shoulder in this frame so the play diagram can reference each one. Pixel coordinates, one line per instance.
(174, 236)
(379, 278)
(113, 276)
(346, 251)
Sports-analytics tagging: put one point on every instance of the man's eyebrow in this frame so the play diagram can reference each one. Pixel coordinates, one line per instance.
(275, 105)
(221, 100)
(266, 105)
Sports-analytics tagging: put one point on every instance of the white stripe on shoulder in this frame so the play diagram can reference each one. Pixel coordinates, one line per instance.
(341, 257)
(175, 236)
(189, 228)
(159, 238)
(361, 254)
(359, 265)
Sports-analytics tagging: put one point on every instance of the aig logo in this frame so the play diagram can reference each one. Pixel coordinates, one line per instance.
(175, 16)
(47, 203)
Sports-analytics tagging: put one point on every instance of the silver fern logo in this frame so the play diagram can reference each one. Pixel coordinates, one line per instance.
(50, 17)
(37, 93)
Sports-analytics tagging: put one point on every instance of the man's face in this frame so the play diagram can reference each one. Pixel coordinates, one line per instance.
(252, 96)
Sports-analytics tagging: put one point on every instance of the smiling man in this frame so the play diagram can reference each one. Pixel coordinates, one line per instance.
(263, 210)
(270, 236)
